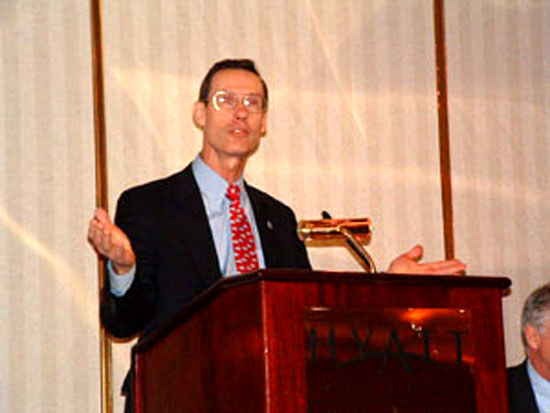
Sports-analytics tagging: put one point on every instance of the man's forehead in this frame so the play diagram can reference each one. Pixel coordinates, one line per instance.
(237, 80)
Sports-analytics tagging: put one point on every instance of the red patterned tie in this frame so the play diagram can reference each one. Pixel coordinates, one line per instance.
(244, 246)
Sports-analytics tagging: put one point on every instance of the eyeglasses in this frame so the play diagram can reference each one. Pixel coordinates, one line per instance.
(226, 100)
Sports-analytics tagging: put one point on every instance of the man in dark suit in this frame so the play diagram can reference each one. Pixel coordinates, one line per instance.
(529, 382)
(176, 254)
(171, 238)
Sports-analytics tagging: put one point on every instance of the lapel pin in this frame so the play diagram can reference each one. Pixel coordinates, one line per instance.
(269, 225)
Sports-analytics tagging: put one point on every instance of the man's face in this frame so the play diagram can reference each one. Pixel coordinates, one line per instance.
(230, 133)
(539, 348)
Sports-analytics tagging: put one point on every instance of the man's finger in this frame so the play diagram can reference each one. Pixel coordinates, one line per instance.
(415, 253)
(101, 216)
(444, 267)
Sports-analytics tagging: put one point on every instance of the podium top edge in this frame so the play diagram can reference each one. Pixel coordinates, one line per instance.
(295, 275)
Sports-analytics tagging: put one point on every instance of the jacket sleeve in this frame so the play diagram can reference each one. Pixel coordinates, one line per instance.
(127, 315)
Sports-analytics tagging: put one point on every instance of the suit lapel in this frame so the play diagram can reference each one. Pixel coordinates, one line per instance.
(529, 394)
(266, 223)
(192, 223)
(194, 226)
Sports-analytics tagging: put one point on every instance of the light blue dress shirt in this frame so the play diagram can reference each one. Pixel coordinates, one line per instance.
(213, 189)
(541, 388)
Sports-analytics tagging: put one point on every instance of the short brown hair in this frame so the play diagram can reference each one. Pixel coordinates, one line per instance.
(240, 64)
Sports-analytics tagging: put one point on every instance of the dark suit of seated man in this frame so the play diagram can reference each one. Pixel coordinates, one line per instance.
(529, 382)
(172, 239)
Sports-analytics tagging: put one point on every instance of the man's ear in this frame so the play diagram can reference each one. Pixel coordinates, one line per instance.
(532, 336)
(199, 114)
(263, 130)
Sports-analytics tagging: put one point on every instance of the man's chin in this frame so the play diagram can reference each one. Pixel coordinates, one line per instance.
(244, 152)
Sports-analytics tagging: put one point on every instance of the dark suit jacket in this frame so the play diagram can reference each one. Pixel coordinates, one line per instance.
(521, 398)
(176, 258)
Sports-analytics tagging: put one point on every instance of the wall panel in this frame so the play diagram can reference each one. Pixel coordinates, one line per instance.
(499, 88)
(48, 326)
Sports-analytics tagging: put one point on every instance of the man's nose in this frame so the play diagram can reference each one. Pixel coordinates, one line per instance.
(240, 111)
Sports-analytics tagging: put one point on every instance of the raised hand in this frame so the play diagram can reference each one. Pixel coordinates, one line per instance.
(110, 241)
(409, 263)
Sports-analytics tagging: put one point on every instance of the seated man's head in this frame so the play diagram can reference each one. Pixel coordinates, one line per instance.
(535, 329)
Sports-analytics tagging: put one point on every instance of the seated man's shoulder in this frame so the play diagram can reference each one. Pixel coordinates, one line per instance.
(520, 393)
(518, 371)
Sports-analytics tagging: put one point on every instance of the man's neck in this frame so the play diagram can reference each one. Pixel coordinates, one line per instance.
(229, 168)
(540, 366)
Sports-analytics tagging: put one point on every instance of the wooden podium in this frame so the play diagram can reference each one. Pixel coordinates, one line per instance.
(285, 341)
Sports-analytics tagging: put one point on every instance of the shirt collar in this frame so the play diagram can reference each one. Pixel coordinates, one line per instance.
(212, 185)
(540, 385)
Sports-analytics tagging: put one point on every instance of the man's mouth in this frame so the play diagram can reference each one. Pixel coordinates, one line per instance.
(239, 132)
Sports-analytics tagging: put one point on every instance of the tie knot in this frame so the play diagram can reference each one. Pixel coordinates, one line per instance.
(233, 192)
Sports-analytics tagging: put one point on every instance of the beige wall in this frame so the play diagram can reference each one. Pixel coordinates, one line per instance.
(48, 322)
(352, 130)
(499, 87)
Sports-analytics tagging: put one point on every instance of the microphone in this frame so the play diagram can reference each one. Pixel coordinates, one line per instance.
(325, 215)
